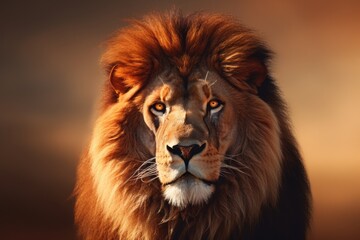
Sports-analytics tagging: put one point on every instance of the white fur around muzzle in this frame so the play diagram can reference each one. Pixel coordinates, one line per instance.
(188, 191)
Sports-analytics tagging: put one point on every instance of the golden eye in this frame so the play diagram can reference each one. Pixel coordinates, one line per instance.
(158, 108)
(215, 106)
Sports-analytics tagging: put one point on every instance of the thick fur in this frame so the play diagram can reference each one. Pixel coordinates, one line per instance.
(264, 195)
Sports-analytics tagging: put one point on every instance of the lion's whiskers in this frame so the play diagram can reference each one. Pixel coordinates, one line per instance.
(237, 161)
(150, 180)
(162, 80)
(232, 155)
(211, 84)
(232, 168)
(207, 73)
(227, 168)
(205, 80)
(149, 171)
(142, 172)
(224, 172)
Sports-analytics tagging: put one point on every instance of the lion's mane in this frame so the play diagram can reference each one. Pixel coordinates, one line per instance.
(270, 202)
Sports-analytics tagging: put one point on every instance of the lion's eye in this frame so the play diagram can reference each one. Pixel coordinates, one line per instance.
(158, 108)
(215, 106)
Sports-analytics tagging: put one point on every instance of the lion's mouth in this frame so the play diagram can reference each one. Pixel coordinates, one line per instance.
(188, 175)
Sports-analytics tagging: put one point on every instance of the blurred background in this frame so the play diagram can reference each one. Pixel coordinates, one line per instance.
(50, 82)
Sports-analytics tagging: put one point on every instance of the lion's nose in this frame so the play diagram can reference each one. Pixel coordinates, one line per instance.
(186, 152)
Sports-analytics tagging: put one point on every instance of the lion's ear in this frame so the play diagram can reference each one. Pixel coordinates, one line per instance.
(250, 76)
(116, 81)
(256, 75)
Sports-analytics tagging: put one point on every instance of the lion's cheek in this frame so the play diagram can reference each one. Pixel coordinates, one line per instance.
(226, 133)
(168, 170)
(207, 168)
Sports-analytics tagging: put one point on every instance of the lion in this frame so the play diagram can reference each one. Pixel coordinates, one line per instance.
(193, 140)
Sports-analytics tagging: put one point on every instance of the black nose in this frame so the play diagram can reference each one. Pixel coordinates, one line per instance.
(186, 152)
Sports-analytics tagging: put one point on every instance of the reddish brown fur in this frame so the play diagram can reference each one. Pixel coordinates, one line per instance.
(161, 41)
(172, 41)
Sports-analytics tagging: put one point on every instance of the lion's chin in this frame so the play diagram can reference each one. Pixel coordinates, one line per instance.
(188, 190)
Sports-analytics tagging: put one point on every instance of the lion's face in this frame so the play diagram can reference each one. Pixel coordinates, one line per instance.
(192, 121)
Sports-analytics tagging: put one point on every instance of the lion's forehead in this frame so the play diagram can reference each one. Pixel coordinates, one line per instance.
(196, 89)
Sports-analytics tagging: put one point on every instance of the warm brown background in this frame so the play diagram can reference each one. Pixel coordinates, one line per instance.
(50, 82)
